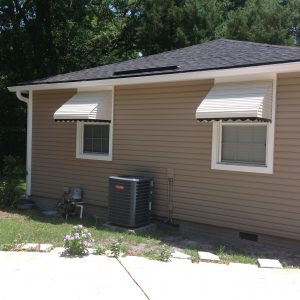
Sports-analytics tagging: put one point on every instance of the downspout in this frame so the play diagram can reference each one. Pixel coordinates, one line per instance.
(29, 138)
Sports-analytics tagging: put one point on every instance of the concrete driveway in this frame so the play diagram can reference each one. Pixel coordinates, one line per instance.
(44, 276)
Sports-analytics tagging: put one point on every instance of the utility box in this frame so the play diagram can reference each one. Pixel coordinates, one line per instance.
(130, 200)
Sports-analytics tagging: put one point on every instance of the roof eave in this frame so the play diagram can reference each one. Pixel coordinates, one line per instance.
(193, 75)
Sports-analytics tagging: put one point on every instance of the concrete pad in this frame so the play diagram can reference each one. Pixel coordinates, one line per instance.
(35, 276)
(207, 256)
(180, 255)
(58, 250)
(212, 281)
(180, 260)
(269, 263)
(242, 266)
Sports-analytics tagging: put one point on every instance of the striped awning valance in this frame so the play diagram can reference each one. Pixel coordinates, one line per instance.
(86, 106)
(243, 101)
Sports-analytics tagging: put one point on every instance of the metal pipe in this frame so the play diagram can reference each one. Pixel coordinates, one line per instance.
(21, 97)
(28, 101)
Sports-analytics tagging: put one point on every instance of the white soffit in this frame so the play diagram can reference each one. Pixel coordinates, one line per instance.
(250, 100)
(86, 106)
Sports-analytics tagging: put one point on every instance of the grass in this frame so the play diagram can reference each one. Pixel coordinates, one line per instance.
(227, 256)
(18, 227)
(22, 185)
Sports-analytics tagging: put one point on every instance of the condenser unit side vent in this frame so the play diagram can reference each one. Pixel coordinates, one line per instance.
(130, 200)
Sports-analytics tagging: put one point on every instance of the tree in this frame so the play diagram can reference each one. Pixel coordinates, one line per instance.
(40, 38)
(268, 21)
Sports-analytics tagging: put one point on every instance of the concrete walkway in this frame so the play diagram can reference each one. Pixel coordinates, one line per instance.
(33, 276)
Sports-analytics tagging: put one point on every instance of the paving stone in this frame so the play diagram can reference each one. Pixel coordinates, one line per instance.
(46, 247)
(180, 255)
(30, 247)
(207, 256)
(269, 263)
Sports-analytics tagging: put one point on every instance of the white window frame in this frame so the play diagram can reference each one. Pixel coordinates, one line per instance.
(80, 143)
(80, 132)
(217, 164)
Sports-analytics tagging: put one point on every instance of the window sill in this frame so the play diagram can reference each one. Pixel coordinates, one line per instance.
(94, 156)
(242, 168)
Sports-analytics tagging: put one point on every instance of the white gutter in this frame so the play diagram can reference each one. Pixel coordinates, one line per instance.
(197, 75)
(29, 138)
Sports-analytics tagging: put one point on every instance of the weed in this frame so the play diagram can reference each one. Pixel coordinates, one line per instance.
(7, 247)
(165, 253)
(115, 248)
(221, 250)
(99, 250)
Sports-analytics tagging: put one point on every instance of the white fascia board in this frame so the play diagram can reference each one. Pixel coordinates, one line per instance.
(197, 75)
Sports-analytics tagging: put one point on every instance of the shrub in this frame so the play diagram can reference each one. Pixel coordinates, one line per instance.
(78, 241)
(11, 175)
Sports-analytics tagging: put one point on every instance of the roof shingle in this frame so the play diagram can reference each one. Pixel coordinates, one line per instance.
(218, 54)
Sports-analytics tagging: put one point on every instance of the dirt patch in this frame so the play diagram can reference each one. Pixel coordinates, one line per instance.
(4, 215)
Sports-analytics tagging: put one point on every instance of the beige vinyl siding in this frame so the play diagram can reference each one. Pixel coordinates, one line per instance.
(155, 129)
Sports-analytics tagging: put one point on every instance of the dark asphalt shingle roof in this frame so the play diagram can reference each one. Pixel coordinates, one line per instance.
(218, 54)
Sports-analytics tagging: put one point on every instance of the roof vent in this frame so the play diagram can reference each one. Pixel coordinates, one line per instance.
(248, 236)
(146, 70)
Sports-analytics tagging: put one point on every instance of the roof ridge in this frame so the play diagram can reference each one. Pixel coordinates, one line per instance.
(259, 43)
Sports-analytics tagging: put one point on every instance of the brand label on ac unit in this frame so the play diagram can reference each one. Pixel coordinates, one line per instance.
(119, 187)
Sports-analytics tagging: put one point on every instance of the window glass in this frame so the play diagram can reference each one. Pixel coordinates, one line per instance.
(96, 139)
(244, 144)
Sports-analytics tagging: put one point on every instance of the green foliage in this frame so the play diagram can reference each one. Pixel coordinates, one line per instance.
(7, 247)
(165, 253)
(221, 250)
(115, 248)
(11, 176)
(39, 38)
(268, 21)
(99, 250)
(78, 241)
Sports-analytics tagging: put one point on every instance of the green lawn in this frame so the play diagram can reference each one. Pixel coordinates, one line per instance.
(18, 227)
(33, 227)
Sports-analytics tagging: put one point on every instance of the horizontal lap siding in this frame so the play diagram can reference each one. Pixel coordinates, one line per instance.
(155, 129)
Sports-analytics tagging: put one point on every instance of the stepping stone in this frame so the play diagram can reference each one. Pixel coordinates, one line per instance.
(46, 247)
(30, 247)
(207, 256)
(180, 255)
(269, 263)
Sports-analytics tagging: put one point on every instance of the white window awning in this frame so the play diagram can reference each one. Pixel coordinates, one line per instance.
(237, 101)
(86, 106)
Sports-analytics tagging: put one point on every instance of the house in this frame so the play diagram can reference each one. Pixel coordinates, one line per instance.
(215, 124)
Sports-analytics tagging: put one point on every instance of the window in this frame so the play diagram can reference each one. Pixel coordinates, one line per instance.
(242, 147)
(244, 144)
(94, 141)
